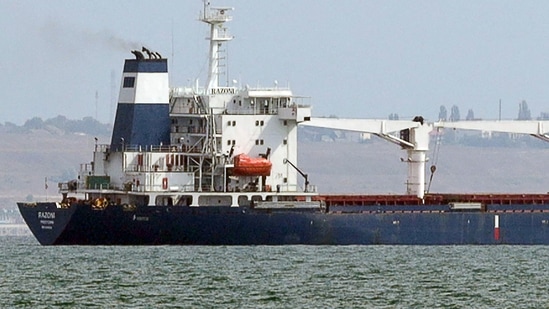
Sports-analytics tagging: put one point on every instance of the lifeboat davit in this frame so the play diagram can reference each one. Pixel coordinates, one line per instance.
(246, 166)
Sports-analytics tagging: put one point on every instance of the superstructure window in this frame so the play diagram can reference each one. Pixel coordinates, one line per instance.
(129, 82)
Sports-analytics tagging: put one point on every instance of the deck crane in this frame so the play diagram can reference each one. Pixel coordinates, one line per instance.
(414, 137)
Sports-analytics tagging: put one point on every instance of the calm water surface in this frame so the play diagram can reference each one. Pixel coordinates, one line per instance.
(273, 277)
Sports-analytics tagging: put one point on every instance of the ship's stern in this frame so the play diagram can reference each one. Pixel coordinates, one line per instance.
(46, 220)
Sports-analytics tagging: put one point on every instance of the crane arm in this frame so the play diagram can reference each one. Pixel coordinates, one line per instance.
(374, 126)
(532, 127)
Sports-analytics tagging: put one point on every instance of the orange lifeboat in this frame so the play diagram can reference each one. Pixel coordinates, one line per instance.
(246, 166)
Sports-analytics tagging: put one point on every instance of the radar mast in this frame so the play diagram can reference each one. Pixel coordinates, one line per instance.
(216, 18)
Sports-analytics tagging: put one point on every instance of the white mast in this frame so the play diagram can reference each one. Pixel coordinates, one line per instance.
(215, 17)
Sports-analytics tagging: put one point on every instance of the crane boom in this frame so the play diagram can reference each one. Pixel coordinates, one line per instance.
(415, 141)
(536, 128)
(414, 137)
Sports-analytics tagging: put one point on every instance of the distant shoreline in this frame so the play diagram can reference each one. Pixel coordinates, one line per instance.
(11, 229)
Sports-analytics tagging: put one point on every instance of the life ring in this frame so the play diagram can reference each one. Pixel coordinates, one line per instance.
(165, 183)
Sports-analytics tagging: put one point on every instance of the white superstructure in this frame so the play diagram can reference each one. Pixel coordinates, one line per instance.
(209, 127)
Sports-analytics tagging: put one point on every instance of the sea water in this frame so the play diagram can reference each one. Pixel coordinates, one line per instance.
(34, 276)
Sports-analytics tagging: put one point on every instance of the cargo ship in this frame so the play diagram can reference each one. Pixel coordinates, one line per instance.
(217, 165)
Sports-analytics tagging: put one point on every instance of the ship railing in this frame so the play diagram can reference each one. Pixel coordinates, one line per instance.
(159, 188)
(102, 147)
(182, 148)
(302, 101)
(252, 111)
(163, 148)
(154, 168)
(270, 110)
(194, 149)
(132, 148)
(151, 148)
(74, 186)
(182, 92)
(97, 186)
(216, 15)
(86, 167)
(240, 111)
(264, 88)
(295, 188)
(178, 109)
(63, 186)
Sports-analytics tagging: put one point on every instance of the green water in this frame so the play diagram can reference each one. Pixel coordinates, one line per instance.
(273, 277)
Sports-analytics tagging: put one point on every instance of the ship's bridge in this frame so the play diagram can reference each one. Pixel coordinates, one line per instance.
(232, 101)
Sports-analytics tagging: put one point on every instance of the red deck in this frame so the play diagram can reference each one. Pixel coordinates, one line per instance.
(434, 199)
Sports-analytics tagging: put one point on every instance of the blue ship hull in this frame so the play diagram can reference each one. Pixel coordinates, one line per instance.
(81, 224)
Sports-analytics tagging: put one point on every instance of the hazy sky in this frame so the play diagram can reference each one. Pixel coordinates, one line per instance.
(355, 58)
